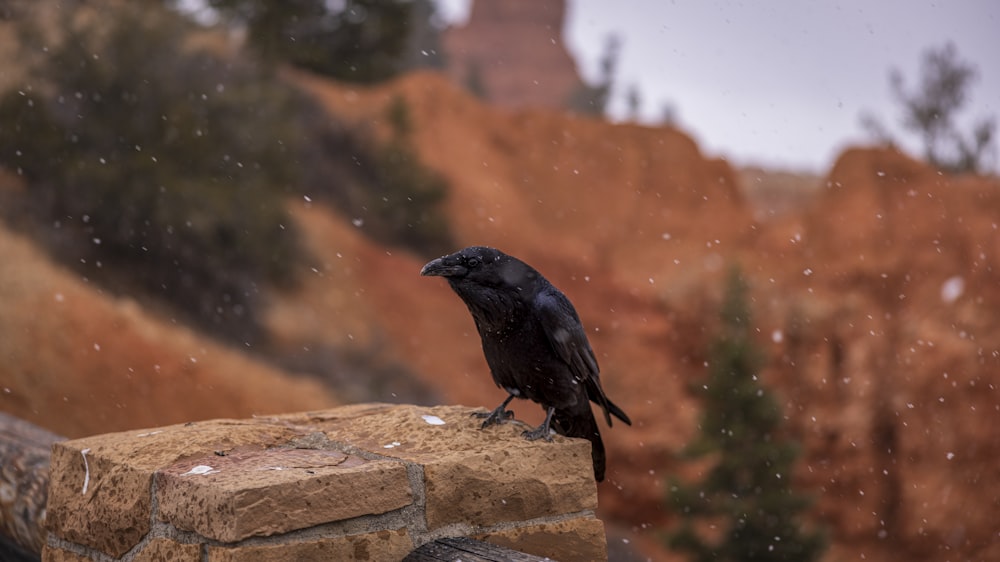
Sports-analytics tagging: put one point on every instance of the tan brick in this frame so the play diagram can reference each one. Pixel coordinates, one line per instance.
(578, 539)
(53, 554)
(111, 515)
(261, 493)
(380, 546)
(481, 477)
(168, 550)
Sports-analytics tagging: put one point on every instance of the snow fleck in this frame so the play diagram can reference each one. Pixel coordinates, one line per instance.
(777, 336)
(433, 420)
(86, 471)
(807, 271)
(358, 222)
(665, 236)
(201, 469)
(97, 346)
(59, 297)
(950, 455)
(307, 198)
(952, 288)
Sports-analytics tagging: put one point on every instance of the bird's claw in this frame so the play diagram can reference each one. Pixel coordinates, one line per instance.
(541, 432)
(496, 417)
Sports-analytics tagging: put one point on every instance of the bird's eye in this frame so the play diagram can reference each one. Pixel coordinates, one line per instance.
(472, 262)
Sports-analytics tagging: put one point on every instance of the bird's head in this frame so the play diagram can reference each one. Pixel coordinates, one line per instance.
(483, 266)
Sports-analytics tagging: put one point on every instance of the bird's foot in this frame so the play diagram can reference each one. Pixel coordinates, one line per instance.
(496, 417)
(540, 432)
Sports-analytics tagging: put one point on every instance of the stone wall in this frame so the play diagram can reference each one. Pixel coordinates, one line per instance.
(368, 482)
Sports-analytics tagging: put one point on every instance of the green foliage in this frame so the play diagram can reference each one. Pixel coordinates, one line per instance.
(355, 40)
(746, 494)
(592, 99)
(382, 186)
(398, 115)
(474, 81)
(169, 161)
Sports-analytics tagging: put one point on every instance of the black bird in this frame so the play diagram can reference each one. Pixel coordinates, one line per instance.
(534, 343)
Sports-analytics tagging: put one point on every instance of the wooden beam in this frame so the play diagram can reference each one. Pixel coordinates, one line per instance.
(25, 450)
(464, 549)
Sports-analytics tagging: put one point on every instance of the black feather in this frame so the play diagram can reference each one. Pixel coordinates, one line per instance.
(533, 341)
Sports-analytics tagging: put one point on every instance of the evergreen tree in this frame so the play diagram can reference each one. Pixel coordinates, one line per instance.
(744, 508)
(362, 41)
(165, 163)
(931, 110)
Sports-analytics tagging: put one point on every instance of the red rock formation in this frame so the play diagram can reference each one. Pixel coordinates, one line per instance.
(512, 54)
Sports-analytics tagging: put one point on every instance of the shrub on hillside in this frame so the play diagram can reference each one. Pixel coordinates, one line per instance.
(381, 185)
(744, 507)
(164, 159)
(352, 40)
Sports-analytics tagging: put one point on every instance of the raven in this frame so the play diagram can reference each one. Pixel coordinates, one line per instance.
(534, 343)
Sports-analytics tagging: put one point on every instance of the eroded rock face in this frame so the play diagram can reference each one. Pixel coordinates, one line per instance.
(512, 54)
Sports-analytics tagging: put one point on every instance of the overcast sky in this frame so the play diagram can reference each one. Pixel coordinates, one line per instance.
(779, 82)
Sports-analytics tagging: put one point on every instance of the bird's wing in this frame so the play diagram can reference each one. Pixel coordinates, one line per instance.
(565, 334)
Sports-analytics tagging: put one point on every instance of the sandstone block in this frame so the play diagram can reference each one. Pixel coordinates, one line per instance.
(260, 493)
(167, 550)
(95, 501)
(474, 476)
(100, 489)
(379, 546)
(50, 554)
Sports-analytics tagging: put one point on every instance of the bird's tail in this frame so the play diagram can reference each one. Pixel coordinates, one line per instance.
(596, 395)
(617, 412)
(573, 424)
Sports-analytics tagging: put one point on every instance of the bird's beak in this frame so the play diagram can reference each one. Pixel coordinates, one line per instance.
(440, 268)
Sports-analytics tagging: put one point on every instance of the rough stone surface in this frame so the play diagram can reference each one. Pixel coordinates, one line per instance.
(98, 503)
(347, 478)
(380, 546)
(114, 513)
(167, 550)
(52, 554)
(261, 493)
(472, 476)
(580, 539)
(536, 70)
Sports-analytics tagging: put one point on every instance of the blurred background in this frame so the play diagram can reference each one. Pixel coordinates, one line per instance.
(780, 226)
